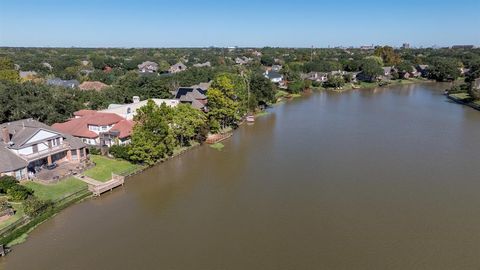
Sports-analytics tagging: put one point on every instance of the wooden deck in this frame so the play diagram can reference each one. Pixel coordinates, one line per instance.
(215, 138)
(97, 187)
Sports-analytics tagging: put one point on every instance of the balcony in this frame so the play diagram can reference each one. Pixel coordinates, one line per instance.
(45, 153)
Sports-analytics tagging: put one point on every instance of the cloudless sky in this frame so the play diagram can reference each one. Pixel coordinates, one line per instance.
(201, 23)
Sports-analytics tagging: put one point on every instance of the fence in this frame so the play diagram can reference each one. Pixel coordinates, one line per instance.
(58, 205)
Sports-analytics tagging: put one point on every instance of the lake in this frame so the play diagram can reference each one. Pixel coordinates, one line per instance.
(369, 179)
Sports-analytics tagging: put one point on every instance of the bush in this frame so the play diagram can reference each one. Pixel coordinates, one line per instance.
(94, 151)
(19, 192)
(7, 182)
(34, 207)
(120, 151)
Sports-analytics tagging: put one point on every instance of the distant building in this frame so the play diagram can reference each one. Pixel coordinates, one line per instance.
(27, 75)
(63, 83)
(423, 69)
(178, 67)
(242, 60)
(273, 76)
(317, 76)
(92, 85)
(148, 67)
(476, 84)
(200, 65)
(406, 46)
(47, 65)
(195, 96)
(128, 111)
(367, 47)
(464, 47)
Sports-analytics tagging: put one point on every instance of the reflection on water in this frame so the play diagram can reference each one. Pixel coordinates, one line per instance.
(373, 179)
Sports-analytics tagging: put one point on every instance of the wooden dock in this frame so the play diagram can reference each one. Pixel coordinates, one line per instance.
(97, 187)
(216, 138)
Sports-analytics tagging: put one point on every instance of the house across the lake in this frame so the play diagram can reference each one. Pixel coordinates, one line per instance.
(195, 96)
(178, 67)
(92, 86)
(128, 111)
(148, 67)
(273, 76)
(97, 128)
(28, 145)
(63, 83)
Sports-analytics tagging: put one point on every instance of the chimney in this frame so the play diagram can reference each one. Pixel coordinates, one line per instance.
(5, 135)
(136, 99)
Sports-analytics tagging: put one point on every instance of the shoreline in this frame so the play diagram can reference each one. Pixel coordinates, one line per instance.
(464, 103)
(20, 234)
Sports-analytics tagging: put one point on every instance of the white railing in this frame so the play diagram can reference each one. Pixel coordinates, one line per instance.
(46, 152)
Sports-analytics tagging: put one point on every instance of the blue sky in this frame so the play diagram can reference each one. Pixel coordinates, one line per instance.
(188, 23)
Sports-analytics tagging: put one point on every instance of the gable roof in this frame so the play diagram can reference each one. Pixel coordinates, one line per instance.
(23, 130)
(125, 128)
(63, 83)
(93, 85)
(273, 75)
(78, 127)
(196, 93)
(9, 161)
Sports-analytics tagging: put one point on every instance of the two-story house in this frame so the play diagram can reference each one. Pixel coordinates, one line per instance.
(128, 111)
(28, 144)
(178, 67)
(97, 128)
(148, 67)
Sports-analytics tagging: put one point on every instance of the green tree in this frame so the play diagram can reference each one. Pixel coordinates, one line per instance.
(388, 55)
(371, 69)
(187, 123)
(7, 70)
(222, 110)
(262, 89)
(335, 81)
(151, 137)
(444, 69)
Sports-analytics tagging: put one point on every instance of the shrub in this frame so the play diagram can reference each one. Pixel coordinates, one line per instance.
(120, 151)
(94, 151)
(19, 192)
(34, 207)
(7, 182)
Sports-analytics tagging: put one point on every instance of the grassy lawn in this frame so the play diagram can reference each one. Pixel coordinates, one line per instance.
(56, 191)
(460, 96)
(18, 214)
(218, 146)
(106, 166)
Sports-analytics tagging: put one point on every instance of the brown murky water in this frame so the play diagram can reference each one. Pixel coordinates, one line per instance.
(371, 179)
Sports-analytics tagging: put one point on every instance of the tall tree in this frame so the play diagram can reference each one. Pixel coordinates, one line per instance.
(187, 122)
(152, 139)
(388, 55)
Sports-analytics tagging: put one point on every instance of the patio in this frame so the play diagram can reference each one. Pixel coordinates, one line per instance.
(64, 169)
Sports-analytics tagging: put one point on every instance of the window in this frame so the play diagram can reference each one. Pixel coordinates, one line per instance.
(35, 148)
(104, 128)
(129, 110)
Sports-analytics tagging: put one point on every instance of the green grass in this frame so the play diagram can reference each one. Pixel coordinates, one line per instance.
(18, 215)
(280, 94)
(105, 167)
(56, 191)
(217, 146)
(179, 150)
(460, 96)
(262, 113)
